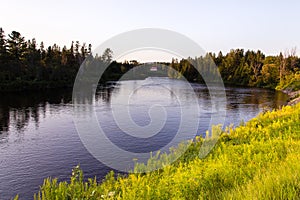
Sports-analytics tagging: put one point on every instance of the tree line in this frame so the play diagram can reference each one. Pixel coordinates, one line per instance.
(245, 68)
(25, 64)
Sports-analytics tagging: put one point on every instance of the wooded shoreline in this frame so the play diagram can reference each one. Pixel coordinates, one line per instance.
(25, 65)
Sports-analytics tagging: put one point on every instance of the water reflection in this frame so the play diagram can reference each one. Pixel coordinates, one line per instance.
(264, 99)
(17, 109)
(38, 137)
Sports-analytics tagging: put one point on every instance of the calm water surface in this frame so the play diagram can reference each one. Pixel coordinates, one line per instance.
(38, 138)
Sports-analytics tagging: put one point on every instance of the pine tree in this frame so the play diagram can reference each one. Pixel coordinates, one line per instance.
(3, 50)
(16, 46)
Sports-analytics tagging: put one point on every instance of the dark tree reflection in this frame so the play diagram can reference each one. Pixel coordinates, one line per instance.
(18, 109)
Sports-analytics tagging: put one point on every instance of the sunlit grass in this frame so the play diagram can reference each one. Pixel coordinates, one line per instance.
(258, 160)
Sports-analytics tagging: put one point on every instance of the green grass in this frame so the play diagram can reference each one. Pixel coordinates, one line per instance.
(258, 160)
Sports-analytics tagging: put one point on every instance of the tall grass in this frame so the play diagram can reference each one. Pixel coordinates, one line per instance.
(257, 160)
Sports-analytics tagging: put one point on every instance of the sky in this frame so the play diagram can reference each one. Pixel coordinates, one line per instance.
(271, 26)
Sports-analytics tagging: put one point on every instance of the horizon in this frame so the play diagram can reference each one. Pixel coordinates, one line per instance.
(157, 55)
(269, 26)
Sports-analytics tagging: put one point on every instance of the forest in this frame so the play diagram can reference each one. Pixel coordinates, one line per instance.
(25, 64)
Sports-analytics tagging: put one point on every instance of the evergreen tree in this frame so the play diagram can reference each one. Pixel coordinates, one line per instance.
(3, 50)
(16, 46)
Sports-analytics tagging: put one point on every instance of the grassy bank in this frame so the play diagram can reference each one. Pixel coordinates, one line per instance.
(258, 160)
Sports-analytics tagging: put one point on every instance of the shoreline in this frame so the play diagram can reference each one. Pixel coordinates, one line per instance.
(293, 95)
(255, 155)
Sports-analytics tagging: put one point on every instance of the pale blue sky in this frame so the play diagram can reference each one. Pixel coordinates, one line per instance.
(271, 26)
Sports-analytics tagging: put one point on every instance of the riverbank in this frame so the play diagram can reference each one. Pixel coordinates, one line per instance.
(294, 96)
(257, 160)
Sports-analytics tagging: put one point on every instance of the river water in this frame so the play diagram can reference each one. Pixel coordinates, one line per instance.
(38, 137)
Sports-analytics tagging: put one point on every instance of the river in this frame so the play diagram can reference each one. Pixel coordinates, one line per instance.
(38, 137)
